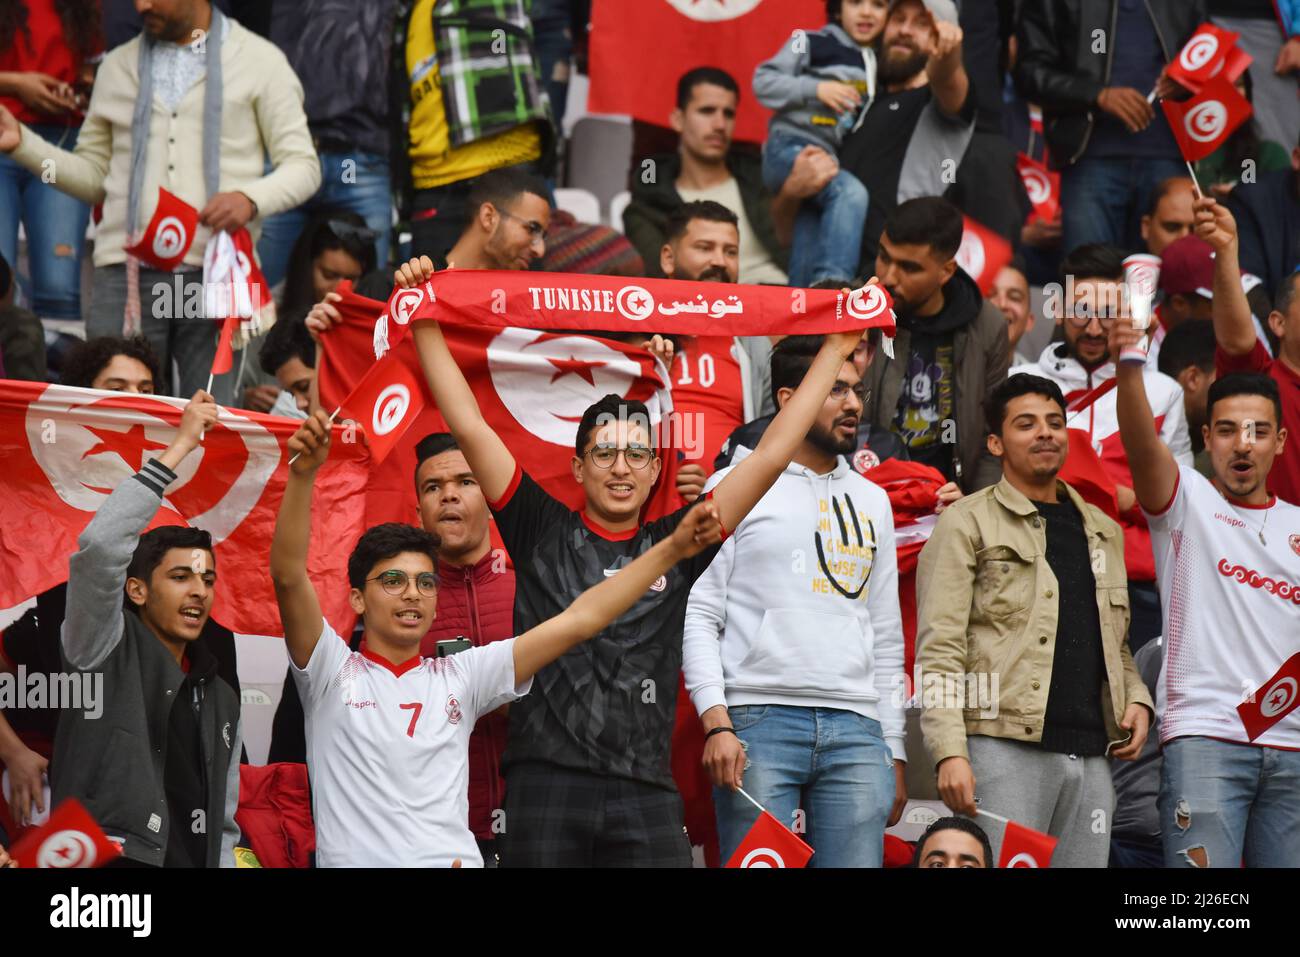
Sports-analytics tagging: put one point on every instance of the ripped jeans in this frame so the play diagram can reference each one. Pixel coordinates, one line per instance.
(1222, 804)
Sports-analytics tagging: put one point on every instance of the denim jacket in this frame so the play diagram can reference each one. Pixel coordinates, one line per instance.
(987, 606)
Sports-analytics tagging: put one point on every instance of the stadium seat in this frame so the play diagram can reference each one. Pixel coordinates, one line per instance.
(583, 204)
(616, 207)
(599, 155)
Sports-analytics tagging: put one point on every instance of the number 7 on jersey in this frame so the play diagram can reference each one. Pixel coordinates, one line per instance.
(415, 707)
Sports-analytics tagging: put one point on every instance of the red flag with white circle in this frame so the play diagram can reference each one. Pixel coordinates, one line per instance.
(1043, 187)
(1272, 702)
(1203, 56)
(982, 253)
(1024, 847)
(69, 839)
(1202, 124)
(770, 843)
(169, 235)
(66, 449)
(387, 400)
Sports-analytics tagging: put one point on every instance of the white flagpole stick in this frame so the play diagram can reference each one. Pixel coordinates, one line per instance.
(1151, 97)
(208, 390)
(752, 801)
(333, 415)
(1192, 173)
(996, 817)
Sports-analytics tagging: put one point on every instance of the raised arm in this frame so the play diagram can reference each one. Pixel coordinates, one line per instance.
(488, 457)
(1234, 332)
(948, 80)
(1155, 471)
(92, 626)
(750, 480)
(79, 172)
(300, 612)
(599, 605)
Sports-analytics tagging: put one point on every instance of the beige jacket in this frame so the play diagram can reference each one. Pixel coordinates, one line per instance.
(987, 606)
(261, 114)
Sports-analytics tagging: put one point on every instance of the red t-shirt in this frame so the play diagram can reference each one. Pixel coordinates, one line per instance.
(706, 382)
(1284, 480)
(47, 52)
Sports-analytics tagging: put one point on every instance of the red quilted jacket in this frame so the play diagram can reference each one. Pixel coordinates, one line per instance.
(478, 603)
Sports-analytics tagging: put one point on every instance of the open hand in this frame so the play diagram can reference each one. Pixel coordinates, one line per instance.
(840, 97)
(26, 784)
(45, 94)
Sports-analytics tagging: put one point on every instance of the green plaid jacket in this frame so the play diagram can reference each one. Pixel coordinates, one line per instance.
(490, 78)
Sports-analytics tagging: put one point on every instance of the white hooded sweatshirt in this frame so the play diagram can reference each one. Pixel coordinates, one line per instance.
(800, 606)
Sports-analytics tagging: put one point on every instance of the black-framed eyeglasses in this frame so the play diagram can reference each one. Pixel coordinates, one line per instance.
(345, 230)
(394, 582)
(603, 456)
(535, 229)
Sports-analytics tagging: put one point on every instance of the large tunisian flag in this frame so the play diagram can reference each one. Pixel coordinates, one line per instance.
(640, 49)
(66, 449)
(531, 386)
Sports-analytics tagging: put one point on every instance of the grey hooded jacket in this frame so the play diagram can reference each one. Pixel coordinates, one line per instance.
(788, 82)
(113, 762)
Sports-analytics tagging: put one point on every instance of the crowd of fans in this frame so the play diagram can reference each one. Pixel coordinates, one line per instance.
(1111, 558)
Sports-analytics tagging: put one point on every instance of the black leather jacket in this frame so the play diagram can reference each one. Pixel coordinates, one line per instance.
(1057, 68)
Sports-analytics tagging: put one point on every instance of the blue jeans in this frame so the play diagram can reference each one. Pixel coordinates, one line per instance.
(828, 228)
(56, 232)
(363, 188)
(1235, 802)
(553, 46)
(828, 769)
(1103, 200)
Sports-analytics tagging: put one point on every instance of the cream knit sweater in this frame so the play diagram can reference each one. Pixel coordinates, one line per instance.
(261, 115)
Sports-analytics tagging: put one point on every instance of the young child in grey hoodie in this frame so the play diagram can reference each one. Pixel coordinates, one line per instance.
(820, 84)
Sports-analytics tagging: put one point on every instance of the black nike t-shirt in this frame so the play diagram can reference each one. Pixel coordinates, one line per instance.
(608, 705)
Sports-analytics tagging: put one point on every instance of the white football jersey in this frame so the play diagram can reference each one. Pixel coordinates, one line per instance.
(387, 749)
(1231, 607)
